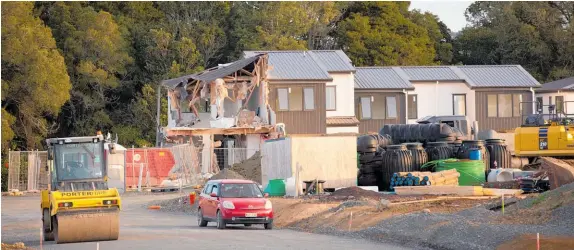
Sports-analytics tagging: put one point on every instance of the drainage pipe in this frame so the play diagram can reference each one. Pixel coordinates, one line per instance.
(533, 101)
(406, 106)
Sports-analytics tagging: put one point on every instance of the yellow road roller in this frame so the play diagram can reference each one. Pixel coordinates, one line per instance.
(78, 206)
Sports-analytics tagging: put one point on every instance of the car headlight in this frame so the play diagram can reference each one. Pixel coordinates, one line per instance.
(268, 204)
(228, 205)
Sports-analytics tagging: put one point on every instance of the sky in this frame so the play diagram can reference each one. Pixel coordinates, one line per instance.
(450, 12)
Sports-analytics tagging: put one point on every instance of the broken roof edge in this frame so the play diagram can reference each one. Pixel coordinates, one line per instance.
(212, 73)
(187, 131)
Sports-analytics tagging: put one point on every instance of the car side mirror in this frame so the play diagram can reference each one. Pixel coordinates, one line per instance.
(266, 195)
(213, 195)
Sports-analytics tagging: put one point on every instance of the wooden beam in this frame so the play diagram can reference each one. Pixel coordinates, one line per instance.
(238, 79)
(246, 72)
(440, 190)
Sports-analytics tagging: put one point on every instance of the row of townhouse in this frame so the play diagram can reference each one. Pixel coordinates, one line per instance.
(321, 92)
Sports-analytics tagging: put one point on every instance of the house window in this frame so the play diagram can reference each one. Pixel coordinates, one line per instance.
(492, 106)
(309, 95)
(283, 98)
(459, 104)
(559, 104)
(365, 107)
(296, 99)
(412, 103)
(391, 107)
(504, 105)
(378, 109)
(539, 103)
(331, 99)
(517, 105)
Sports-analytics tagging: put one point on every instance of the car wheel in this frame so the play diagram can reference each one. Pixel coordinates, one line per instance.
(247, 225)
(201, 222)
(220, 222)
(268, 226)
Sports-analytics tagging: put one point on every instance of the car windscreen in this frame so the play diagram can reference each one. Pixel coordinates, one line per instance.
(240, 190)
(77, 161)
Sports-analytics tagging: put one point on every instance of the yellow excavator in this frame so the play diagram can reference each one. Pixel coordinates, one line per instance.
(540, 137)
(78, 206)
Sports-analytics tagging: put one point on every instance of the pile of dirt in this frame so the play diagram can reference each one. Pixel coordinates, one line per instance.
(250, 168)
(18, 245)
(357, 193)
(227, 174)
(180, 204)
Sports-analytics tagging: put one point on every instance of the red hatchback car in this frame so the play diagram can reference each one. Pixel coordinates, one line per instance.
(234, 202)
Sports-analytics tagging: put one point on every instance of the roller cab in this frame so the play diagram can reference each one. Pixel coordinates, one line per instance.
(78, 205)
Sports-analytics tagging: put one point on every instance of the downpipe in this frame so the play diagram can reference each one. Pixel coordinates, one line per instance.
(533, 101)
(406, 106)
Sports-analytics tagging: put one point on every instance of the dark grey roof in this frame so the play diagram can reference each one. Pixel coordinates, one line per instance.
(562, 84)
(293, 65)
(213, 73)
(381, 78)
(431, 73)
(498, 76)
(334, 60)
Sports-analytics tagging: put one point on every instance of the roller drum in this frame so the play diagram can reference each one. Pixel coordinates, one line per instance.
(87, 225)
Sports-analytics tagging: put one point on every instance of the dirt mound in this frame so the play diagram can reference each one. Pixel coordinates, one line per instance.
(180, 204)
(227, 174)
(357, 192)
(559, 172)
(250, 168)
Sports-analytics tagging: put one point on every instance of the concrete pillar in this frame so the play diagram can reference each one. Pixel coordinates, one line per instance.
(206, 154)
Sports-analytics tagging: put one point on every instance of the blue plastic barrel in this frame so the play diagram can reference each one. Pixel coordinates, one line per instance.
(474, 154)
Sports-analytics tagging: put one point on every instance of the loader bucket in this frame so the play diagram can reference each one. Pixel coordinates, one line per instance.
(83, 225)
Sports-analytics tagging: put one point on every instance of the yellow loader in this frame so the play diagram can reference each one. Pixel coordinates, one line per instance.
(78, 206)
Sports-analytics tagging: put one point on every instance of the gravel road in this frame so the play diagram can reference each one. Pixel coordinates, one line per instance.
(147, 229)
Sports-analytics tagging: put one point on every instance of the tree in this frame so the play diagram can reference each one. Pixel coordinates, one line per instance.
(35, 83)
(438, 33)
(96, 56)
(536, 35)
(379, 33)
(202, 22)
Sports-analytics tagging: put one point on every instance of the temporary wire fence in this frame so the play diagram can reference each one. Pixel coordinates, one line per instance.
(27, 170)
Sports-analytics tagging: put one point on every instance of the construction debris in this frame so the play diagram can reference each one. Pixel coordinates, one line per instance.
(456, 190)
(250, 168)
(357, 193)
(227, 174)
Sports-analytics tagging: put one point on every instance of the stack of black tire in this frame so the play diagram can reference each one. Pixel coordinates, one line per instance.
(371, 149)
(423, 133)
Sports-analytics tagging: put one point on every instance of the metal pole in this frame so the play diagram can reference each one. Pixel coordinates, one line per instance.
(140, 178)
(158, 112)
(133, 166)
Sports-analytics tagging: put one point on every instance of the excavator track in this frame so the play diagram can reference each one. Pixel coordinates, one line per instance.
(84, 225)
